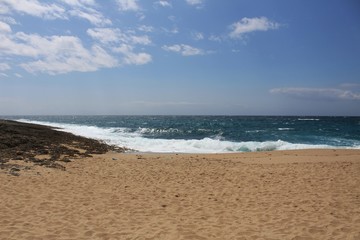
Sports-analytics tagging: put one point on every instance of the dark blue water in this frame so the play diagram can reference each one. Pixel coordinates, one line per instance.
(211, 133)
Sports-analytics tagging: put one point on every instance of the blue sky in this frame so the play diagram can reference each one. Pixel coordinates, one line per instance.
(254, 57)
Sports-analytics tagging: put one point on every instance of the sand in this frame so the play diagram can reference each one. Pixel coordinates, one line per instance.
(305, 194)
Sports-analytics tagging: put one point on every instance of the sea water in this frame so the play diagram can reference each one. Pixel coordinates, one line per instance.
(210, 134)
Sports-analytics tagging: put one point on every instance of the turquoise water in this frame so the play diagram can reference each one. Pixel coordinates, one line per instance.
(210, 134)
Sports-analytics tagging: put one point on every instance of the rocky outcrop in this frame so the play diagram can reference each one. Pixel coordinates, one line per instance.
(44, 145)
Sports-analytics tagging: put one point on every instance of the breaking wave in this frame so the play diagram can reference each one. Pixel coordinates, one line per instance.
(126, 137)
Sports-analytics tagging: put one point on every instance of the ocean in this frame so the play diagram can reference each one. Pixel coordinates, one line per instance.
(210, 134)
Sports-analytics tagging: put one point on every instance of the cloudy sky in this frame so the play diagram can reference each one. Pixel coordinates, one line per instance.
(238, 57)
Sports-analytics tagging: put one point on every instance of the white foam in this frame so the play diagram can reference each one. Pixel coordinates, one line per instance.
(134, 140)
(285, 129)
(155, 130)
(308, 119)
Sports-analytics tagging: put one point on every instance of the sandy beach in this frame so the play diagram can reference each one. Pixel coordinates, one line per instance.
(305, 194)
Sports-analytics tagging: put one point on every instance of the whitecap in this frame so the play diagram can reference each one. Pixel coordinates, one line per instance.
(126, 137)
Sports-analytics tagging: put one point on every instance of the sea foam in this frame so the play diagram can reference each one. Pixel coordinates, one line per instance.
(135, 140)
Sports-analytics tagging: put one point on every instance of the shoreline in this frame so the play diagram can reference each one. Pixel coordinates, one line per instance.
(154, 137)
(285, 194)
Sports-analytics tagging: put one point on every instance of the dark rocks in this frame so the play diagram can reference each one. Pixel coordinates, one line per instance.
(2, 164)
(66, 160)
(26, 142)
(42, 151)
(14, 171)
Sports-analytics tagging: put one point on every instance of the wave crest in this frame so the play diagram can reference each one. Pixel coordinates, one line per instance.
(126, 137)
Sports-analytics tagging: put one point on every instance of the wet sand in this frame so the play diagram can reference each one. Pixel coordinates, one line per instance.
(305, 194)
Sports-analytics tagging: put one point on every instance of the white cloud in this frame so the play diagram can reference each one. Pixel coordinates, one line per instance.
(93, 16)
(78, 8)
(126, 43)
(317, 93)
(128, 5)
(143, 40)
(76, 58)
(4, 9)
(183, 49)
(105, 35)
(174, 30)
(18, 75)
(79, 3)
(194, 2)
(58, 54)
(145, 28)
(247, 25)
(85, 9)
(8, 20)
(63, 54)
(4, 66)
(173, 48)
(33, 7)
(4, 27)
(197, 36)
(163, 3)
(215, 38)
(190, 51)
(133, 58)
(115, 35)
(55, 54)
(14, 45)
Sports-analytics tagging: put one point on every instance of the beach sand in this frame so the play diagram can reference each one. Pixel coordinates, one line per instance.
(305, 194)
